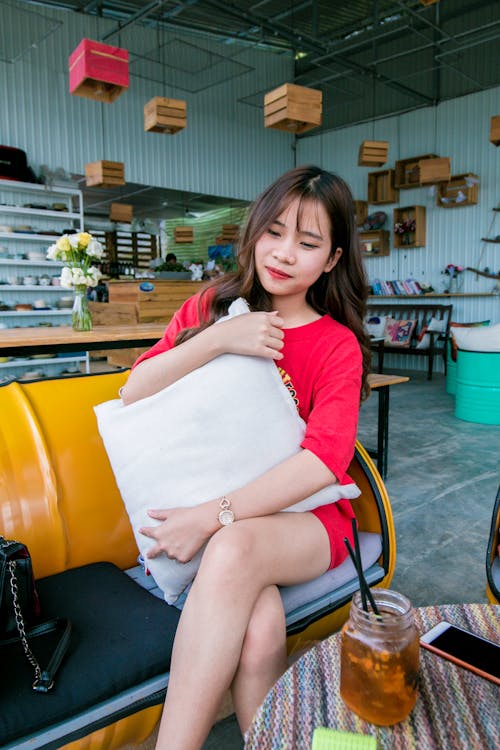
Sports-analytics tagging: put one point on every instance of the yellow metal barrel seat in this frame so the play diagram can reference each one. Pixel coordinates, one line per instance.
(493, 555)
(58, 495)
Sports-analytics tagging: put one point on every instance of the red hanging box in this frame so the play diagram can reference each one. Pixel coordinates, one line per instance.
(98, 71)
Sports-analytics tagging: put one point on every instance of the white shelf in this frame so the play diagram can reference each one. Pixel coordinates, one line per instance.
(36, 362)
(12, 195)
(26, 313)
(25, 262)
(33, 288)
(38, 212)
(33, 187)
(29, 236)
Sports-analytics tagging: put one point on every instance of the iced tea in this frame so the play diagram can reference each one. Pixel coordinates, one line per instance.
(379, 659)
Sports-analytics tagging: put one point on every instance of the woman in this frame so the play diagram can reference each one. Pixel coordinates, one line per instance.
(300, 270)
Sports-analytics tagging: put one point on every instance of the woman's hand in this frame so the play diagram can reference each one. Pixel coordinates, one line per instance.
(257, 334)
(183, 531)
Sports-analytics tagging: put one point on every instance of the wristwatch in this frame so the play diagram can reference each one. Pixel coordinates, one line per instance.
(226, 515)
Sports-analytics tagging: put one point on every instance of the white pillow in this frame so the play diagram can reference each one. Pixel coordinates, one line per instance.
(375, 326)
(212, 431)
(435, 324)
(478, 338)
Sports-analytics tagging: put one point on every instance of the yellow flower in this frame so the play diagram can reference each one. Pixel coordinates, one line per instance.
(84, 239)
(63, 245)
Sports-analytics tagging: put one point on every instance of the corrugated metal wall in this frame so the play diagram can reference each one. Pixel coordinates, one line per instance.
(458, 129)
(40, 116)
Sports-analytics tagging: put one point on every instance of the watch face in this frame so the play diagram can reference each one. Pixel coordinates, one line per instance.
(226, 517)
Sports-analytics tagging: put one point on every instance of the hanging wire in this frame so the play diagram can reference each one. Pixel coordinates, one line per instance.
(374, 64)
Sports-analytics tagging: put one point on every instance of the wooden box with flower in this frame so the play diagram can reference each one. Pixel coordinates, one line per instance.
(409, 226)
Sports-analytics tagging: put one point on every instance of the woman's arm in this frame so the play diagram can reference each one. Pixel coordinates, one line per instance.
(184, 531)
(257, 333)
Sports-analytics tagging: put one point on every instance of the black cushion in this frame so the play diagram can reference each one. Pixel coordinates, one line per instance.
(122, 636)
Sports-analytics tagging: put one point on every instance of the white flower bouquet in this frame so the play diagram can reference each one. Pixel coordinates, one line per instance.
(78, 252)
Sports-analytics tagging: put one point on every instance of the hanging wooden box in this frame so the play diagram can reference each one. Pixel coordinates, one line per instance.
(229, 234)
(456, 193)
(495, 130)
(183, 235)
(374, 243)
(415, 238)
(381, 187)
(105, 174)
(123, 212)
(407, 171)
(433, 171)
(292, 108)
(163, 115)
(361, 211)
(98, 71)
(373, 153)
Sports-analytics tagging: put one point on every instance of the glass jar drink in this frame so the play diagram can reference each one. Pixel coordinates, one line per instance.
(379, 659)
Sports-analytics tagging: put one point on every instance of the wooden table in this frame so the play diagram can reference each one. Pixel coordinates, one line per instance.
(455, 709)
(22, 342)
(382, 383)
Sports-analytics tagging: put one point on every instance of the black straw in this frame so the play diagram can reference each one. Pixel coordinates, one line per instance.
(363, 585)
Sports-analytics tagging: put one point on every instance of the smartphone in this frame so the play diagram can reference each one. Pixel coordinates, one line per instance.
(465, 649)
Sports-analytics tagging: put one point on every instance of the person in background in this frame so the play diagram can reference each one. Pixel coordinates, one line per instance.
(300, 270)
(171, 259)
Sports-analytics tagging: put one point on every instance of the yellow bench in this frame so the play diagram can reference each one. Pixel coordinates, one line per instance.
(58, 496)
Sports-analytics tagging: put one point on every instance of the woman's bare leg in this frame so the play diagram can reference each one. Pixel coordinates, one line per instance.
(240, 561)
(263, 656)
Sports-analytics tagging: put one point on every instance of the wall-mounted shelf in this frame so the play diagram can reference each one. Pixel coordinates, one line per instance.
(431, 294)
(407, 171)
(375, 243)
(415, 238)
(22, 262)
(361, 211)
(457, 193)
(381, 187)
(29, 212)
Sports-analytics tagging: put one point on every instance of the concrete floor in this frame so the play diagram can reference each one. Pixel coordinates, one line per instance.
(442, 480)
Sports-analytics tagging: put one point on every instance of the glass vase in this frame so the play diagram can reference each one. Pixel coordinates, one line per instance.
(81, 317)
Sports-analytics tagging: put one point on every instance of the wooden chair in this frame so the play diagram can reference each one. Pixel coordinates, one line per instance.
(58, 495)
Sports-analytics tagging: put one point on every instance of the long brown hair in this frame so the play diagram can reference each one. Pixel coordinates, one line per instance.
(341, 293)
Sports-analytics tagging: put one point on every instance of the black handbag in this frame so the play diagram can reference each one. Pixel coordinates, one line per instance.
(20, 612)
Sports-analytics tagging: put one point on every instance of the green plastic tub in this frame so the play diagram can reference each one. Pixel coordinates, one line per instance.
(451, 371)
(477, 394)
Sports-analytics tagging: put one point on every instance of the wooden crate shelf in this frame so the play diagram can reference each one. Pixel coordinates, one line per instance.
(410, 239)
(361, 211)
(495, 130)
(375, 243)
(434, 171)
(381, 187)
(448, 193)
(407, 171)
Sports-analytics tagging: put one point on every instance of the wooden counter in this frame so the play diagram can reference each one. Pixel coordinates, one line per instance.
(156, 304)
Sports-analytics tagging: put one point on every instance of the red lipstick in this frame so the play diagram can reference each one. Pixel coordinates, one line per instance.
(276, 273)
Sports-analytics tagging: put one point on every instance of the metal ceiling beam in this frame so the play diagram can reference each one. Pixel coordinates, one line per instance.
(305, 43)
(143, 13)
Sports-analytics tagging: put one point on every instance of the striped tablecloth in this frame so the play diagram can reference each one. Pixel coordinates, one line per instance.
(455, 710)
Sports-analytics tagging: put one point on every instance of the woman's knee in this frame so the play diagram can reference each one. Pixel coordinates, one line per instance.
(228, 554)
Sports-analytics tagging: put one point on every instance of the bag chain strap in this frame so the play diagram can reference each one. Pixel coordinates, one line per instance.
(20, 623)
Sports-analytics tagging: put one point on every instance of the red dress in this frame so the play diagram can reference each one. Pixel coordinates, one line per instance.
(322, 368)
